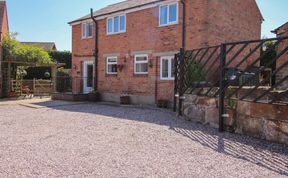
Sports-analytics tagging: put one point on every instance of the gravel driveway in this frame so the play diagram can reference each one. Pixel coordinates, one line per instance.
(93, 140)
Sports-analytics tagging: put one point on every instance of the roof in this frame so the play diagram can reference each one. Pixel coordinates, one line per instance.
(281, 27)
(121, 6)
(2, 14)
(47, 46)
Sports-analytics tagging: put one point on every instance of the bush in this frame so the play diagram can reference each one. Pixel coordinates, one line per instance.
(14, 50)
(195, 72)
(62, 57)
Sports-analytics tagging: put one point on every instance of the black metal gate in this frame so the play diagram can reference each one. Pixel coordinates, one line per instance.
(254, 71)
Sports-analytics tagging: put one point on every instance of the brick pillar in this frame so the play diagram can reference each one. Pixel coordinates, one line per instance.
(283, 72)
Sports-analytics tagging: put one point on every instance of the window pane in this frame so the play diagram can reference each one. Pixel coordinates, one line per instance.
(116, 24)
(141, 59)
(173, 13)
(112, 60)
(172, 68)
(142, 68)
(112, 68)
(122, 23)
(90, 76)
(89, 29)
(163, 15)
(84, 30)
(109, 26)
(165, 68)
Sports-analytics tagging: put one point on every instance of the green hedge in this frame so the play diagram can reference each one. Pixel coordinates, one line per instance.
(62, 57)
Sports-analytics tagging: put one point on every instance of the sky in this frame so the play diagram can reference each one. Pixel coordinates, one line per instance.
(46, 20)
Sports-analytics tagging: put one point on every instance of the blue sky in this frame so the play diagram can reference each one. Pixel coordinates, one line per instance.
(46, 20)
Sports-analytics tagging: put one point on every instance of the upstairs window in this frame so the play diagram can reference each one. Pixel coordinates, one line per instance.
(168, 14)
(116, 24)
(141, 64)
(87, 30)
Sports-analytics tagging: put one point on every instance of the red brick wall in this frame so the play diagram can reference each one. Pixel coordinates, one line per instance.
(235, 20)
(205, 23)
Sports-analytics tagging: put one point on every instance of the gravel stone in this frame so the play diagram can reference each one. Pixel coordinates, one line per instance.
(95, 140)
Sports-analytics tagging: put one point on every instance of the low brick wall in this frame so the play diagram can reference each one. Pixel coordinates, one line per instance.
(69, 97)
(263, 121)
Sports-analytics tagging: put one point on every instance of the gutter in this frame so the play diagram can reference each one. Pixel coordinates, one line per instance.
(96, 51)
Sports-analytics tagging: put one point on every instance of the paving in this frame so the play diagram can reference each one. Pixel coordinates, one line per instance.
(43, 138)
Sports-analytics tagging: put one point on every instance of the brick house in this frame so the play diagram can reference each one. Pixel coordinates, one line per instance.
(137, 39)
(282, 31)
(4, 28)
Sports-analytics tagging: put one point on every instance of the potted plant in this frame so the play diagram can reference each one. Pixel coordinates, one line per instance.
(120, 67)
(125, 99)
(94, 96)
(162, 103)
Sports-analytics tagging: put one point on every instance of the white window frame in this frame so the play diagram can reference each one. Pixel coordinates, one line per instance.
(111, 63)
(170, 75)
(177, 14)
(141, 62)
(119, 25)
(85, 30)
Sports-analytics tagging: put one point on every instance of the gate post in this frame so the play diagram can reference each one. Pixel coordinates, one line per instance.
(34, 86)
(181, 80)
(222, 88)
(54, 77)
(176, 65)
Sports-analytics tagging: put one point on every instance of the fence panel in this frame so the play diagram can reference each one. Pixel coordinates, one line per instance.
(253, 71)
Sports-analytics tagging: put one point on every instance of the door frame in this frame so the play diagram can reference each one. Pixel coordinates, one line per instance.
(86, 89)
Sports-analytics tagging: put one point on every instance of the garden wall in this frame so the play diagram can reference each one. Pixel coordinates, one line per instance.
(263, 121)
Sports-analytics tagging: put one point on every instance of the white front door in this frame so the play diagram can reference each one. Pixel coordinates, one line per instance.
(88, 76)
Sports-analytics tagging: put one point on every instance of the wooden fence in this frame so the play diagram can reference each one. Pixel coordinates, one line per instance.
(29, 87)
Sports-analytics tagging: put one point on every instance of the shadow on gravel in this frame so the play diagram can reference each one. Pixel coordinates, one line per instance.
(263, 153)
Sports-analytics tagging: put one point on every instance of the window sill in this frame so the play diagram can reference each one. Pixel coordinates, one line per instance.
(167, 79)
(170, 24)
(110, 34)
(87, 38)
(111, 75)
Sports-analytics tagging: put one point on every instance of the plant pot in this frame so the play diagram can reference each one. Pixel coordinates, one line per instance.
(162, 103)
(94, 97)
(125, 100)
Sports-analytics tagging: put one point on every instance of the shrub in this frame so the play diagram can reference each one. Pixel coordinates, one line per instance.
(62, 57)
(195, 72)
(14, 50)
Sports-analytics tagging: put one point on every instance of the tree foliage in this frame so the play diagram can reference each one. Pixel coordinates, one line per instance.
(14, 50)
(62, 57)
(269, 54)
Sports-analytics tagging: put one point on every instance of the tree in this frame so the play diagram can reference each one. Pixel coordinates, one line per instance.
(62, 57)
(14, 50)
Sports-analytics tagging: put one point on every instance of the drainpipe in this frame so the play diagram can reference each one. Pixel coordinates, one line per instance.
(183, 24)
(181, 58)
(96, 51)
